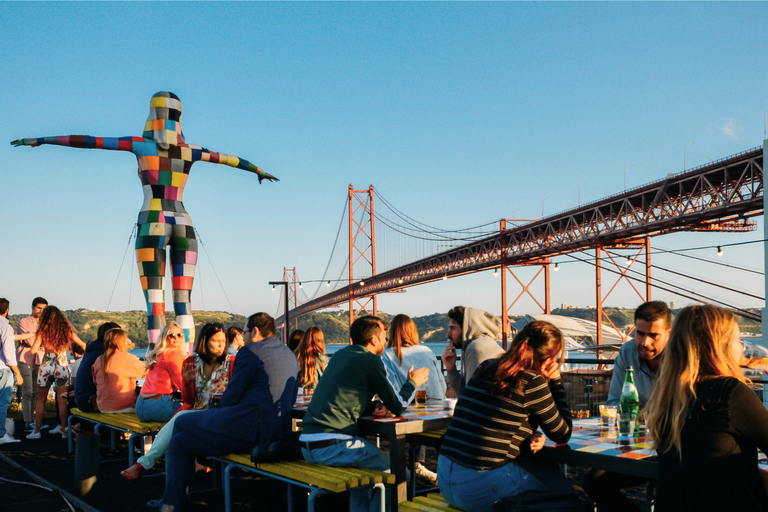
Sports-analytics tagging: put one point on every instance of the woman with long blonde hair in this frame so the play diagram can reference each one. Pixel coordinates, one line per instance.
(312, 357)
(707, 422)
(55, 334)
(483, 455)
(156, 401)
(115, 373)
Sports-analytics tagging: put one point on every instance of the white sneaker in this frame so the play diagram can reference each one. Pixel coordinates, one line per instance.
(425, 474)
(34, 435)
(58, 430)
(7, 438)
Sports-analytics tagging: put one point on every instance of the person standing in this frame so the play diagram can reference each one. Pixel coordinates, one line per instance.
(653, 323)
(29, 362)
(8, 369)
(474, 332)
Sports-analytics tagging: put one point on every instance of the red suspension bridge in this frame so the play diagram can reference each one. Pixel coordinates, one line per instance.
(721, 196)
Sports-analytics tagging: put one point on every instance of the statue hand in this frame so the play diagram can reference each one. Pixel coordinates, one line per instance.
(24, 142)
(266, 176)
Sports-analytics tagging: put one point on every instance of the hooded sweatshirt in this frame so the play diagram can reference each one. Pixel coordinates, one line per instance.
(479, 332)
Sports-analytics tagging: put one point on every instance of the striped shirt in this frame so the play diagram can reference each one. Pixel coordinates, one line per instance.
(488, 431)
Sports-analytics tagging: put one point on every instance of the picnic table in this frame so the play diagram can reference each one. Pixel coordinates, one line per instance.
(596, 446)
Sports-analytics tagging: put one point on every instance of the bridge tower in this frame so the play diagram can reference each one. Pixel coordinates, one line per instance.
(362, 249)
(290, 277)
(526, 288)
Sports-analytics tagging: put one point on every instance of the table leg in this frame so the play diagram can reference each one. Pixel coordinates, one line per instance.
(399, 491)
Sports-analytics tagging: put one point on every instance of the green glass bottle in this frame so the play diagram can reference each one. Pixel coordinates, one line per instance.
(629, 402)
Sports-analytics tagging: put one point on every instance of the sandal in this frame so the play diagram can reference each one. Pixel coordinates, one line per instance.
(133, 473)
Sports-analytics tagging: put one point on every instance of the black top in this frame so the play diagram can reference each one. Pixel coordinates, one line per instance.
(727, 425)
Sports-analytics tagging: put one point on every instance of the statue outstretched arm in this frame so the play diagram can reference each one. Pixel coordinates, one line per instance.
(233, 161)
(132, 144)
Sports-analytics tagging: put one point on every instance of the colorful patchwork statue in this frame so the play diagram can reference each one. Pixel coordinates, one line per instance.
(165, 160)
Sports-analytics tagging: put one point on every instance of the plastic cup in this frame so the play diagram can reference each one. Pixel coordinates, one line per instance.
(608, 414)
(627, 423)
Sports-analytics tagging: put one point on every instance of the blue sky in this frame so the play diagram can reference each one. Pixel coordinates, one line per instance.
(458, 113)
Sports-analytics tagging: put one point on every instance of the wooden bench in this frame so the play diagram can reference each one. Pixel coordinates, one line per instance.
(430, 503)
(118, 422)
(433, 438)
(319, 479)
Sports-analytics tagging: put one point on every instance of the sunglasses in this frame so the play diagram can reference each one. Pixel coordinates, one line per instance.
(175, 335)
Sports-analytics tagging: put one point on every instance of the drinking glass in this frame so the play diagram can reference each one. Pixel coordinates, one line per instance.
(608, 415)
(421, 397)
(627, 423)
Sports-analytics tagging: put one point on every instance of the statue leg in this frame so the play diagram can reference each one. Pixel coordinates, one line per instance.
(183, 265)
(150, 256)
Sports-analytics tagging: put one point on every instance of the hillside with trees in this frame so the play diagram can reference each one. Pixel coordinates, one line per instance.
(334, 324)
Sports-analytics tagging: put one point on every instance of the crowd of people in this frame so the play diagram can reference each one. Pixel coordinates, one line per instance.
(239, 387)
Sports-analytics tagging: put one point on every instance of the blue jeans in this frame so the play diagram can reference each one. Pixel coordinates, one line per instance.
(161, 409)
(475, 490)
(187, 442)
(351, 453)
(6, 390)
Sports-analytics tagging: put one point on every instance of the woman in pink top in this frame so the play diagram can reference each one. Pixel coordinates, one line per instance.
(156, 402)
(115, 373)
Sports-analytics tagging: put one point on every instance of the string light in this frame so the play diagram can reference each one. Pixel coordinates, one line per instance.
(400, 281)
(557, 269)
(273, 287)
(719, 251)
(301, 285)
(362, 283)
(495, 272)
(328, 283)
(445, 276)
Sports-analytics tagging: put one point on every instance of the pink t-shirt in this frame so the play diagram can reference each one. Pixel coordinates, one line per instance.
(116, 389)
(24, 353)
(165, 377)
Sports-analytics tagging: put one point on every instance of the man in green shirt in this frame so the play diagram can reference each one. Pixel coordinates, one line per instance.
(353, 376)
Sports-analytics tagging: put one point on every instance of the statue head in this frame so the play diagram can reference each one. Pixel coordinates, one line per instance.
(164, 122)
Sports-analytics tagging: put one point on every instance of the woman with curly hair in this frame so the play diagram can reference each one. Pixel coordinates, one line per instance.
(312, 358)
(156, 402)
(707, 422)
(55, 334)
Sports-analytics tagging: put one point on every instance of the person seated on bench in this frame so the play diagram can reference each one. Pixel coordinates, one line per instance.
(85, 388)
(156, 402)
(206, 375)
(486, 452)
(354, 374)
(312, 357)
(403, 351)
(115, 373)
(256, 405)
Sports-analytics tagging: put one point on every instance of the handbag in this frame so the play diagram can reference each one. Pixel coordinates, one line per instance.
(285, 446)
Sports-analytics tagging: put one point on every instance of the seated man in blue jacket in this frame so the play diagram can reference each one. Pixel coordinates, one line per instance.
(256, 404)
(353, 376)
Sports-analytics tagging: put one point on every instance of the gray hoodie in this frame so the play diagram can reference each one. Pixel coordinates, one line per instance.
(479, 332)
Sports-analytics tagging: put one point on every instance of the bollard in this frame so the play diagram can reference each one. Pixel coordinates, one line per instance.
(86, 462)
